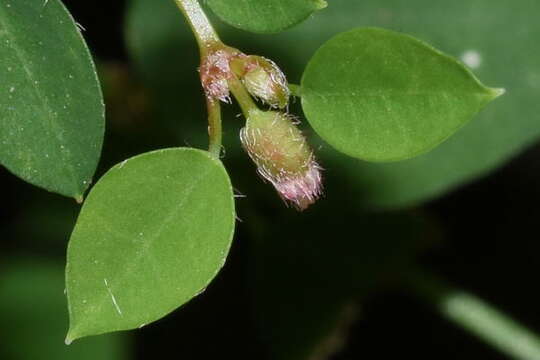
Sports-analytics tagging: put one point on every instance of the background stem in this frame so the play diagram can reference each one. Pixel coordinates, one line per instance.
(477, 317)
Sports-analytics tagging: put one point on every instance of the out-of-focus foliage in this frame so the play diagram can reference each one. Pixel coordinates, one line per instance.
(310, 277)
(33, 316)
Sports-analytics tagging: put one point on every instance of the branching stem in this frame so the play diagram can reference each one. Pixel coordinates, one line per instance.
(207, 39)
(209, 42)
(242, 96)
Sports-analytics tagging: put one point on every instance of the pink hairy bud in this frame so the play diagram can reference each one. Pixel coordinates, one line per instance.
(215, 71)
(263, 79)
(282, 156)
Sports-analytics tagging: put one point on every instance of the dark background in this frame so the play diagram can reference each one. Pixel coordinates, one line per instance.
(484, 240)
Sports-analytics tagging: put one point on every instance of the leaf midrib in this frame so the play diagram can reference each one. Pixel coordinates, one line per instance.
(392, 93)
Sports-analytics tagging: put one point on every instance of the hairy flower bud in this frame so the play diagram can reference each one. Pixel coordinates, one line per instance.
(282, 156)
(215, 71)
(263, 79)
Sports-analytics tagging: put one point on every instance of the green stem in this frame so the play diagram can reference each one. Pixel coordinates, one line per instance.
(477, 317)
(295, 89)
(242, 96)
(214, 127)
(207, 39)
(200, 25)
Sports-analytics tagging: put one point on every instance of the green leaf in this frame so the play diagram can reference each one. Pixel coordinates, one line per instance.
(51, 108)
(265, 16)
(153, 233)
(33, 316)
(498, 133)
(379, 95)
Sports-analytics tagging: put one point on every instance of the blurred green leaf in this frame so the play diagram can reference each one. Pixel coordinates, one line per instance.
(379, 95)
(264, 16)
(51, 111)
(153, 233)
(33, 317)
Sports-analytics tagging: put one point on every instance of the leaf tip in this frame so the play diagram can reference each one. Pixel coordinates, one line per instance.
(79, 199)
(496, 92)
(72, 334)
(68, 340)
(320, 4)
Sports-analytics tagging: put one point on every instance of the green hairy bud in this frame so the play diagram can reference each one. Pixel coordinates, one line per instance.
(283, 157)
(263, 79)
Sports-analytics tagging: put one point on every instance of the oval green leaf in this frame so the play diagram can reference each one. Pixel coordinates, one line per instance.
(379, 95)
(51, 108)
(153, 232)
(264, 16)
